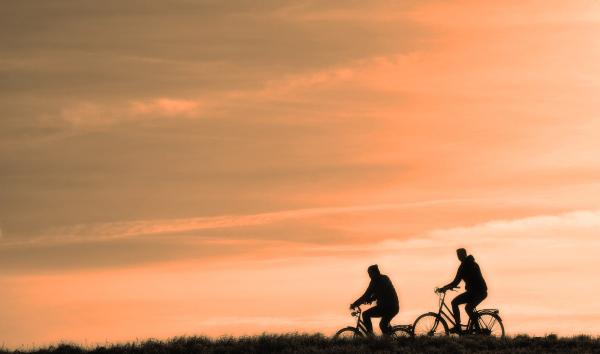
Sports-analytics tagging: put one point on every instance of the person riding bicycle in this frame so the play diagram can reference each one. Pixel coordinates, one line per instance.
(476, 288)
(380, 289)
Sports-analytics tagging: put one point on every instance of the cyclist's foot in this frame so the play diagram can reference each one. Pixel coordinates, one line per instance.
(456, 329)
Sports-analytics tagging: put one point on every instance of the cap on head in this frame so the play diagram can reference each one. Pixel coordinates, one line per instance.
(373, 270)
(461, 253)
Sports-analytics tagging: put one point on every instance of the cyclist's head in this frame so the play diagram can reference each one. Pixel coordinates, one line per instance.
(373, 271)
(461, 253)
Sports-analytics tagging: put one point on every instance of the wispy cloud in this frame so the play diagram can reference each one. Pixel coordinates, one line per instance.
(166, 107)
(88, 115)
(544, 227)
(118, 230)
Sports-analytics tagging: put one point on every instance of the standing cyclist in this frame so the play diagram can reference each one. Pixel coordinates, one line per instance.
(475, 286)
(380, 289)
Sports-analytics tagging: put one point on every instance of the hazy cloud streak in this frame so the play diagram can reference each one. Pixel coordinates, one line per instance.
(110, 231)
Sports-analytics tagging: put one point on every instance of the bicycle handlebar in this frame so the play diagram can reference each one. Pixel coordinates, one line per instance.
(439, 290)
(356, 311)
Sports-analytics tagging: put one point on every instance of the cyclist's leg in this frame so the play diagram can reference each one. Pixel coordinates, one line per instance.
(375, 311)
(475, 300)
(463, 298)
(384, 324)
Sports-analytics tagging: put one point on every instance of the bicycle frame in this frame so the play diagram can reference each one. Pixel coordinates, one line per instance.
(445, 316)
(360, 325)
(360, 328)
(448, 314)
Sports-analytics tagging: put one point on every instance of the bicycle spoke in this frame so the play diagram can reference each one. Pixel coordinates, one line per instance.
(492, 323)
(400, 332)
(429, 325)
(490, 326)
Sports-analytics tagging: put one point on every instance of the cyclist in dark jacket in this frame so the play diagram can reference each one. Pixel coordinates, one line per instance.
(380, 289)
(475, 286)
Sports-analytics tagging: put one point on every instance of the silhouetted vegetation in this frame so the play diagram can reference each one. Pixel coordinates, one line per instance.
(315, 343)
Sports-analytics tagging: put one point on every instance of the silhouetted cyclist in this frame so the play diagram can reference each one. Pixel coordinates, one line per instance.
(380, 289)
(475, 286)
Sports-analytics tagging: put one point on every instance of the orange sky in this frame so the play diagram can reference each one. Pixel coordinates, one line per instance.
(233, 168)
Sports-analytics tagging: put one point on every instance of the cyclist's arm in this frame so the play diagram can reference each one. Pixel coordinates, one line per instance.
(366, 296)
(454, 283)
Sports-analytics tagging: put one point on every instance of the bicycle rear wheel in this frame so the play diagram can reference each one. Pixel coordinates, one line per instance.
(430, 324)
(490, 324)
(348, 332)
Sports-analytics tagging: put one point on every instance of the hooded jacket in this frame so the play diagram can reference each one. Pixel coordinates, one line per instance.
(382, 290)
(469, 272)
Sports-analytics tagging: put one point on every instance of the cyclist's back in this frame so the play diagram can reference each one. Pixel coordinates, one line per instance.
(384, 292)
(470, 272)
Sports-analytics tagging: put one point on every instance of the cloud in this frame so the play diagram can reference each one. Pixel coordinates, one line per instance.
(166, 107)
(331, 108)
(581, 225)
(163, 53)
(86, 115)
(470, 14)
(118, 230)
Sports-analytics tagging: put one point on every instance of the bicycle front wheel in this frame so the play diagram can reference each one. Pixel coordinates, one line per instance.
(348, 332)
(431, 325)
(490, 324)
(401, 332)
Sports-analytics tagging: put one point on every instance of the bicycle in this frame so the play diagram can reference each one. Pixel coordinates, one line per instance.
(360, 330)
(486, 322)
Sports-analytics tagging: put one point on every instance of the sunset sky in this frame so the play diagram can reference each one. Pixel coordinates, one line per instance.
(233, 167)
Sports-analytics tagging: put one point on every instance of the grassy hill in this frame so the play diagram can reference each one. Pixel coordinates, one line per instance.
(314, 343)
